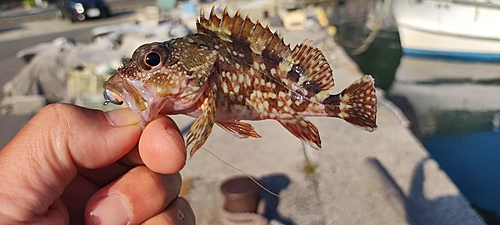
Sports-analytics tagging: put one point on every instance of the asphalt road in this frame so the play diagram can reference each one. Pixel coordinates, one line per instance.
(13, 19)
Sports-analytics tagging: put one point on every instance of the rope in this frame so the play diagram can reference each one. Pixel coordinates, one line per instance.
(374, 31)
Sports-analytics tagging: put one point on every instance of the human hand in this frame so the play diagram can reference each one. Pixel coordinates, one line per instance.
(93, 167)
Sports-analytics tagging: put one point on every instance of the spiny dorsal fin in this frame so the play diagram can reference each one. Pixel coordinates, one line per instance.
(314, 65)
(258, 37)
(305, 65)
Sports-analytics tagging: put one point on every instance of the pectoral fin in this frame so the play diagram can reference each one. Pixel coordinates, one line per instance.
(304, 130)
(239, 129)
(202, 127)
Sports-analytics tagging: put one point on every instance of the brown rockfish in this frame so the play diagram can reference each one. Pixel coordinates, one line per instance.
(233, 69)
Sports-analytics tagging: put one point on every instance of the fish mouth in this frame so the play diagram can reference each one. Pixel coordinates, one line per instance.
(138, 98)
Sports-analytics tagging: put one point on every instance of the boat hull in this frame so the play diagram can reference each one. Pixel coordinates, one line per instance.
(448, 29)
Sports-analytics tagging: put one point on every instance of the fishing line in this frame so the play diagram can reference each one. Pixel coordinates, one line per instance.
(269, 191)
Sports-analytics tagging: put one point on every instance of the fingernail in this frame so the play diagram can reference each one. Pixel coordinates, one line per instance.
(121, 117)
(111, 210)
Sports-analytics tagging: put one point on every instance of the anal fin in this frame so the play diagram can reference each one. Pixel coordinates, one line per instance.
(239, 129)
(304, 130)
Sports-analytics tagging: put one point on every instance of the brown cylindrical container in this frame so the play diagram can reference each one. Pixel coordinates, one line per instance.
(241, 194)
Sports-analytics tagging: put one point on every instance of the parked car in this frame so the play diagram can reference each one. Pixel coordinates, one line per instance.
(78, 10)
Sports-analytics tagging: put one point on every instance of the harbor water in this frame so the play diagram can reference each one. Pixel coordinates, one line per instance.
(455, 110)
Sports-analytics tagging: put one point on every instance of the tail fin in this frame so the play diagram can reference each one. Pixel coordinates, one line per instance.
(357, 104)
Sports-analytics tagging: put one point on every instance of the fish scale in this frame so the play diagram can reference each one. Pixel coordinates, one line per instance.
(231, 70)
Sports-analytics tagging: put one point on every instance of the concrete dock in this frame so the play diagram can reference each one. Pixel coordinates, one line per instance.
(348, 186)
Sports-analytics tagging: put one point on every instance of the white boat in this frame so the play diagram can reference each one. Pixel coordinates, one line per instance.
(465, 29)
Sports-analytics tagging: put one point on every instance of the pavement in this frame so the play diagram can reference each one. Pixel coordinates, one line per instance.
(385, 177)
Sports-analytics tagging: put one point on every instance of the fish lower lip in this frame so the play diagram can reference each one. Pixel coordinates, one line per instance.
(106, 102)
(110, 98)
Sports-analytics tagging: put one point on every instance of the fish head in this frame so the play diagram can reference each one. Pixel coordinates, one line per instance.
(152, 81)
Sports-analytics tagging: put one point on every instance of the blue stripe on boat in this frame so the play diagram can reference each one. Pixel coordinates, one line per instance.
(466, 56)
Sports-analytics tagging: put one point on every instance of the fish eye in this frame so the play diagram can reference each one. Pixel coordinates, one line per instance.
(152, 59)
(151, 56)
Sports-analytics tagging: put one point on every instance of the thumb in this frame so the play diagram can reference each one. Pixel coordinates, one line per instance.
(42, 159)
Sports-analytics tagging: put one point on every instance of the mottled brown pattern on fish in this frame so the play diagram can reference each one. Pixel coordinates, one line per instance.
(234, 69)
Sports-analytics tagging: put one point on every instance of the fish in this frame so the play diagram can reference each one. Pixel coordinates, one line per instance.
(234, 69)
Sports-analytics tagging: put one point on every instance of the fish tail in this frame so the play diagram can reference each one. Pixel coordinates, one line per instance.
(357, 104)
